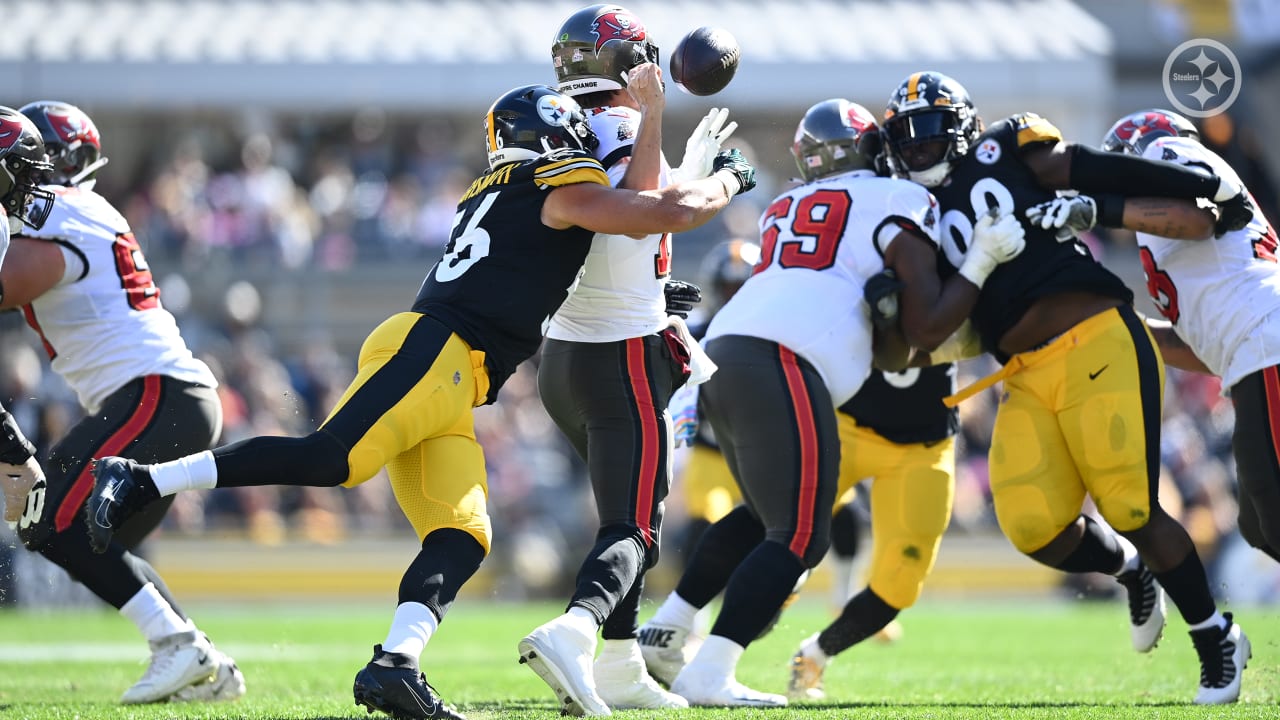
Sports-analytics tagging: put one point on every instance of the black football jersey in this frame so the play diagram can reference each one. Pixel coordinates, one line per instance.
(906, 407)
(504, 273)
(993, 174)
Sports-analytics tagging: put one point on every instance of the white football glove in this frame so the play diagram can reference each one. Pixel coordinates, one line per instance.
(1070, 215)
(994, 242)
(17, 481)
(703, 145)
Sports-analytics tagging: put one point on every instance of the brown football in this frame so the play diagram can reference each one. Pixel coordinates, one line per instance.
(705, 60)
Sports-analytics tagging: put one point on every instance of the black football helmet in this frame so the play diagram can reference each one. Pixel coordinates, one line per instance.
(70, 138)
(836, 136)
(1134, 132)
(929, 125)
(533, 120)
(23, 168)
(597, 46)
(725, 268)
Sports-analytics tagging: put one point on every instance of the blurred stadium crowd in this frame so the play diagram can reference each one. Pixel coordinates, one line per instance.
(375, 193)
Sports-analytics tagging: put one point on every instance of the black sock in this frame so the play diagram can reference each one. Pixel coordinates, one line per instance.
(863, 616)
(722, 548)
(609, 571)
(845, 530)
(448, 559)
(623, 622)
(317, 460)
(1098, 551)
(1188, 587)
(756, 592)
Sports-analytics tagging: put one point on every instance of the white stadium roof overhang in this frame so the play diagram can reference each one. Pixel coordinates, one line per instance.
(452, 55)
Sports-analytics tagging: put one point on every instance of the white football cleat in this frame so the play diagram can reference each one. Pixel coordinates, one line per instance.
(1146, 607)
(563, 658)
(226, 685)
(666, 650)
(1224, 654)
(177, 660)
(806, 674)
(706, 687)
(624, 683)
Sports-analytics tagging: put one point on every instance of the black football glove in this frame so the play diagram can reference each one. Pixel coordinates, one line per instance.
(881, 293)
(1233, 214)
(15, 448)
(734, 163)
(681, 297)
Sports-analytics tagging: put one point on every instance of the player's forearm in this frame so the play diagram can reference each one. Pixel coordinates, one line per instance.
(890, 350)
(644, 170)
(1175, 352)
(1096, 173)
(1174, 219)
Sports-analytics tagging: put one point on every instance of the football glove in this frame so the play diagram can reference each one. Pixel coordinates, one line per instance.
(1233, 214)
(994, 242)
(1070, 215)
(684, 414)
(17, 481)
(681, 297)
(15, 448)
(732, 168)
(881, 293)
(703, 145)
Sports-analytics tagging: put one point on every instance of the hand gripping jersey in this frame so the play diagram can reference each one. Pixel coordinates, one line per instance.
(103, 324)
(820, 242)
(992, 175)
(503, 272)
(619, 295)
(1216, 292)
(906, 407)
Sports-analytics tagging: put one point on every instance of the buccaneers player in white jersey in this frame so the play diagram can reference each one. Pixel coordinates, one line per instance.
(794, 344)
(84, 285)
(612, 360)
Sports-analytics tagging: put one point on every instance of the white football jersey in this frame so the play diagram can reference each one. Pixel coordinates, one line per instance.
(103, 324)
(619, 293)
(819, 243)
(1216, 292)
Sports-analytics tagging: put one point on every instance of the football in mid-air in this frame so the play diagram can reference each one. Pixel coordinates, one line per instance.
(705, 60)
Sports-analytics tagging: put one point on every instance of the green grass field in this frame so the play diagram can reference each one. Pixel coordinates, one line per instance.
(957, 660)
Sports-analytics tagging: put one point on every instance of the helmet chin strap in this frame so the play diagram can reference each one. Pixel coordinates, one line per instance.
(86, 172)
(932, 177)
(15, 224)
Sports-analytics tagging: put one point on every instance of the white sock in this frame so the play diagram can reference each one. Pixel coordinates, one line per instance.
(153, 615)
(616, 650)
(721, 654)
(582, 620)
(676, 611)
(411, 630)
(1214, 620)
(812, 650)
(1130, 555)
(193, 472)
(841, 580)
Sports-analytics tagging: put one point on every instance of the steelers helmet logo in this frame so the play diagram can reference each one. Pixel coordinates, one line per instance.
(552, 110)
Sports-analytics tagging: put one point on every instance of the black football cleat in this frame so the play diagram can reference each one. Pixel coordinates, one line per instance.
(121, 488)
(392, 683)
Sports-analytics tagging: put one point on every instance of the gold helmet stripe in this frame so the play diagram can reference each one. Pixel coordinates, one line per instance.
(912, 91)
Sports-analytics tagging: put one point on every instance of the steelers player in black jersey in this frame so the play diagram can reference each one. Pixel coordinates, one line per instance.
(1083, 380)
(521, 235)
